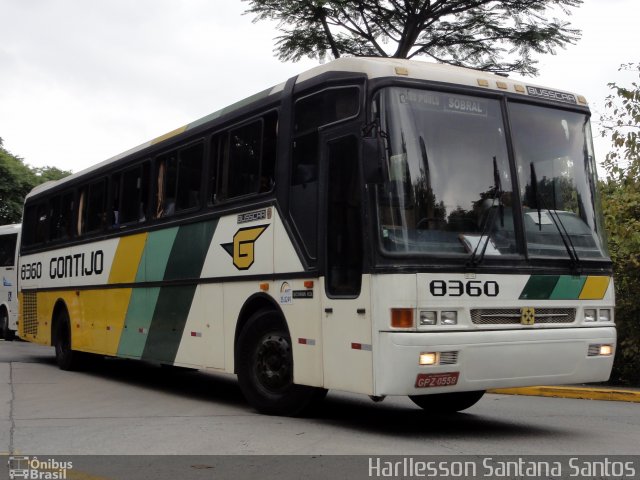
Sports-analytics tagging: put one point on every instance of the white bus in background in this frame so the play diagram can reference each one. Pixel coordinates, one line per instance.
(9, 278)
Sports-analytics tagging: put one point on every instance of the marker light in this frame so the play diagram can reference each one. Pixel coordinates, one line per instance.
(428, 318)
(606, 350)
(449, 318)
(428, 359)
(590, 314)
(402, 317)
(604, 315)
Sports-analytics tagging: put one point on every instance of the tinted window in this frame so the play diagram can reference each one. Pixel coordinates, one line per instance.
(61, 226)
(92, 207)
(131, 190)
(326, 107)
(243, 159)
(8, 249)
(179, 178)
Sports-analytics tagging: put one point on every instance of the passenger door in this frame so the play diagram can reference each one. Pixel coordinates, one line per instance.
(346, 324)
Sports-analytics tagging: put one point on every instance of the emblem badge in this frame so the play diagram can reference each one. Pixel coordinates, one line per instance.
(527, 316)
(242, 249)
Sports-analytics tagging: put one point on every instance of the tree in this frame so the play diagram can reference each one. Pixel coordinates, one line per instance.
(621, 205)
(492, 35)
(17, 180)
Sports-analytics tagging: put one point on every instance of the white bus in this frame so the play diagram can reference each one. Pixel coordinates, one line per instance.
(377, 226)
(9, 287)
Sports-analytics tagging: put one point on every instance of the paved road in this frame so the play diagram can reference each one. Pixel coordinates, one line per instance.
(125, 407)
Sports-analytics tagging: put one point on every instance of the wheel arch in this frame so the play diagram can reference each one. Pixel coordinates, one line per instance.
(255, 303)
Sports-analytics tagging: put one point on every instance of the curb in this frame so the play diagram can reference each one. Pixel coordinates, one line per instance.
(586, 393)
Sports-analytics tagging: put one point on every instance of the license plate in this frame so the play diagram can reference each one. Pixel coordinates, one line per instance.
(427, 380)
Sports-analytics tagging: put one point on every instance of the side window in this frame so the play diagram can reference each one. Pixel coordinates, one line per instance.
(41, 221)
(242, 168)
(178, 177)
(311, 113)
(8, 249)
(189, 177)
(92, 207)
(61, 212)
(131, 191)
(243, 159)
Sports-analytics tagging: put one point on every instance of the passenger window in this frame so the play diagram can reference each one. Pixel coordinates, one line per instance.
(8, 250)
(61, 211)
(179, 176)
(92, 208)
(130, 195)
(243, 159)
(42, 216)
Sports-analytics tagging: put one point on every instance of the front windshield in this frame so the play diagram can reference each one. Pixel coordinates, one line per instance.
(449, 186)
(556, 170)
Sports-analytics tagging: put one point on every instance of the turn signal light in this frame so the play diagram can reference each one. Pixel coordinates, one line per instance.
(402, 317)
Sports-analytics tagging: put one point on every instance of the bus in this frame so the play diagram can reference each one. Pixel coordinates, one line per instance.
(376, 226)
(9, 287)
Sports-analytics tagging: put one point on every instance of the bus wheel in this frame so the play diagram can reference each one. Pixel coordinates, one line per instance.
(66, 358)
(447, 402)
(265, 368)
(4, 326)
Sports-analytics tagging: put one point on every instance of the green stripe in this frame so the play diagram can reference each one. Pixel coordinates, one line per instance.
(156, 255)
(139, 315)
(189, 251)
(539, 287)
(186, 260)
(168, 323)
(568, 288)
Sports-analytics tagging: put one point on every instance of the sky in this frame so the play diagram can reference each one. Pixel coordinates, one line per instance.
(83, 81)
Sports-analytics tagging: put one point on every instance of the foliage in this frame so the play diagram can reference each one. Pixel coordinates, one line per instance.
(17, 180)
(492, 35)
(621, 204)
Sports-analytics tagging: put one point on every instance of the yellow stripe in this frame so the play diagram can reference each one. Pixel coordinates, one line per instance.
(127, 259)
(614, 395)
(170, 134)
(594, 288)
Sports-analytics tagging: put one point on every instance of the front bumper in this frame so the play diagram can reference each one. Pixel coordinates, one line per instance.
(493, 359)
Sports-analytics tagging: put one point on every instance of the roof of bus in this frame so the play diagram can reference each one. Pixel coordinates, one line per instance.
(372, 67)
(7, 229)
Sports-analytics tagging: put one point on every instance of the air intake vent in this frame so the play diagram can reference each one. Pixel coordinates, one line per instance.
(448, 358)
(30, 314)
(512, 316)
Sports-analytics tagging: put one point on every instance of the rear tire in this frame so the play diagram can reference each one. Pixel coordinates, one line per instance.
(447, 402)
(265, 368)
(66, 358)
(5, 332)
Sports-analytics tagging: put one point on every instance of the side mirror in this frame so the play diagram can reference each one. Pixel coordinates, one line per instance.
(372, 161)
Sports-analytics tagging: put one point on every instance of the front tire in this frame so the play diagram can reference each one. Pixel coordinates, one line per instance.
(265, 368)
(447, 402)
(66, 358)
(5, 332)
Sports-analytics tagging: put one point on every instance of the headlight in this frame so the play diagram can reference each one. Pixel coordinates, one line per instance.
(604, 315)
(590, 314)
(428, 358)
(428, 317)
(449, 318)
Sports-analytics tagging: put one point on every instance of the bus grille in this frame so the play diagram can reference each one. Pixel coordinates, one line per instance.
(30, 314)
(511, 316)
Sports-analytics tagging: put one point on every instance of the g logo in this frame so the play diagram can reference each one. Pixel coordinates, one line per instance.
(242, 249)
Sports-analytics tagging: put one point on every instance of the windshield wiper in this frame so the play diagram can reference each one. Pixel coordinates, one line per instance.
(490, 220)
(557, 222)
